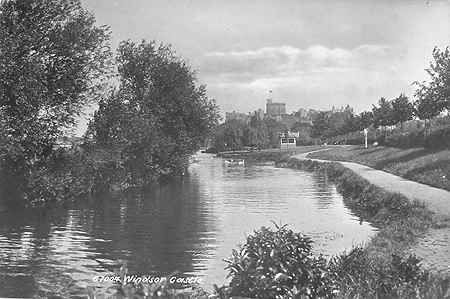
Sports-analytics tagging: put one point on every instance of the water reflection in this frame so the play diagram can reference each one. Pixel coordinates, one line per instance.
(324, 190)
(187, 226)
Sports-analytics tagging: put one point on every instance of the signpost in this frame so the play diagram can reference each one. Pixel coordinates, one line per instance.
(365, 138)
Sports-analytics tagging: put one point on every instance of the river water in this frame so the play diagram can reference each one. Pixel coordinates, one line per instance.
(188, 226)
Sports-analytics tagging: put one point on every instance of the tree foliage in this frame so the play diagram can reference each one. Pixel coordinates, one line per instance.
(52, 61)
(235, 134)
(383, 115)
(320, 124)
(279, 264)
(434, 96)
(331, 123)
(365, 119)
(403, 109)
(157, 117)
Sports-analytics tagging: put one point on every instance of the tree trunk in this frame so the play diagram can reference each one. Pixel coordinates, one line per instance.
(425, 131)
(430, 129)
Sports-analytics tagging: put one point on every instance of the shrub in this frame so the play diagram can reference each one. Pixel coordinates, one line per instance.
(69, 174)
(279, 264)
(405, 139)
(354, 138)
(438, 139)
(363, 276)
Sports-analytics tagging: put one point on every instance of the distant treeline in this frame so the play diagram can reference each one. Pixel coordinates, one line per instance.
(342, 125)
(54, 62)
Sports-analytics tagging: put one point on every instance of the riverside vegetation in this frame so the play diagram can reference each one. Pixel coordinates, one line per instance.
(399, 122)
(278, 263)
(422, 165)
(55, 62)
(379, 270)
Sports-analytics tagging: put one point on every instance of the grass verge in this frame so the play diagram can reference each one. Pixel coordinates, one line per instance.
(271, 260)
(416, 164)
(400, 223)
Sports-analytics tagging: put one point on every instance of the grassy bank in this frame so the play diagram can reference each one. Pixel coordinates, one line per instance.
(279, 263)
(416, 164)
(400, 223)
(268, 154)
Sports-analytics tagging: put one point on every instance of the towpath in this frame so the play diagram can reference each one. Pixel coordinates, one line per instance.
(434, 248)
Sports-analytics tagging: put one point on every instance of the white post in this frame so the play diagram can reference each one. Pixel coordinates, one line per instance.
(365, 138)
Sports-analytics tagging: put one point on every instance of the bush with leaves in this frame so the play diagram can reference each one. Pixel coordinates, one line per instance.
(279, 264)
(433, 97)
(438, 139)
(54, 60)
(361, 275)
(157, 118)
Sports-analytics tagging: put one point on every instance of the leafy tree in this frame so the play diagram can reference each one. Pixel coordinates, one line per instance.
(403, 110)
(426, 107)
(334, 122)
(301, 126)
(434, 97)
(274, 129)
(351, 124)
(158, 116)
(53, 59)
(304, 129)
(235, 134)
(365, 119)
(438, 89)
(320, 124)
(384, 114)
(231, 136)
(258, 134)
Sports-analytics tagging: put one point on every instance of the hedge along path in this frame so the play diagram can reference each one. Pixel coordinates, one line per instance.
(434, 248)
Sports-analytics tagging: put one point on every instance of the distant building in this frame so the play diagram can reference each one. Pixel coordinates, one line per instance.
(258, 114)
(275, 110)
(288, 140)
(237, 116)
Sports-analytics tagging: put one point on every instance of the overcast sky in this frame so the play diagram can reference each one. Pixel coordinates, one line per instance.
(312, 54)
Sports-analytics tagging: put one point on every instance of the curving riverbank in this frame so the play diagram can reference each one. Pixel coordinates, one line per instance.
(381, 269)
(433, 248)
(407, 225)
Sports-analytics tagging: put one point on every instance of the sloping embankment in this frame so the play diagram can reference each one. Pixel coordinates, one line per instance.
(407, 224)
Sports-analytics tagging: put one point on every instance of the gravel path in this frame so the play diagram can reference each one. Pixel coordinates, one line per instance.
(434, 248)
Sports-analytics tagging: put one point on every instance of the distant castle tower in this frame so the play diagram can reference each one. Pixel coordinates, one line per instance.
(274, 110)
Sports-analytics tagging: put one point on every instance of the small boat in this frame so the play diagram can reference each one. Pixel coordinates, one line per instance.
(233, 162)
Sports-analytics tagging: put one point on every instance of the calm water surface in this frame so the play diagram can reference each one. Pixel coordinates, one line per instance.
(188, 226)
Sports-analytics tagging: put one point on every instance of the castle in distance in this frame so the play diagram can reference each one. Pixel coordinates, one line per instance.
(275, 111)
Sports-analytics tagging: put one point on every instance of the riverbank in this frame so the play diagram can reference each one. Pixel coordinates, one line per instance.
(420, 165)
(431, 167)
(406, 225)
(381, 269)
(403, 224)
(433, 247)
(270, 154)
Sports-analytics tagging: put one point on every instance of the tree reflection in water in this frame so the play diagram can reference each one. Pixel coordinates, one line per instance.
(188, 225)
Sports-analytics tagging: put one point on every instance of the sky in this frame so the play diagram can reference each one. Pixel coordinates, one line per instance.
(311, 54)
